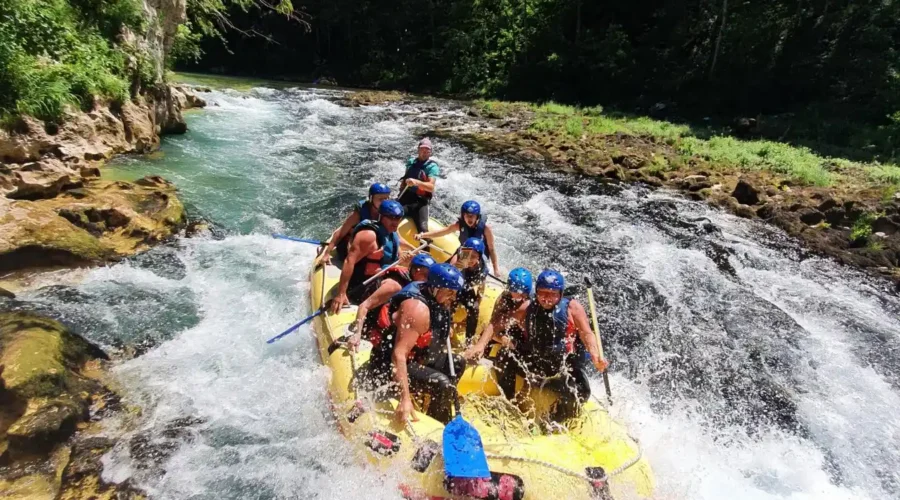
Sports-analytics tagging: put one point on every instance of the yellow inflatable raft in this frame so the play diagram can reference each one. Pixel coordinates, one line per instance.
(590, 456)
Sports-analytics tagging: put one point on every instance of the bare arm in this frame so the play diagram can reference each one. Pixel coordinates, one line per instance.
(412, 319)
(384, 292)
(579, 316)
(489, 239)
(363, 244)
(349, 223)
(440, 232)
(427, 185)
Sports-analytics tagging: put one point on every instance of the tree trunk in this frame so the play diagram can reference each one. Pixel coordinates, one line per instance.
(712, 67)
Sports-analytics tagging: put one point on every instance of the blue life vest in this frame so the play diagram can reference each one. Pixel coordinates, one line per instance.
(365, 210)
(387, 253)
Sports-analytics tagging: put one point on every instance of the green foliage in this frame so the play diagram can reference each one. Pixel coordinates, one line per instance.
(57, 53)
(887, 174)
(186, 47)
(796, 162)
(862, 228)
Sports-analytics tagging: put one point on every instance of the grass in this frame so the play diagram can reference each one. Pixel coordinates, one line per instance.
(798, 163)
(220, 81)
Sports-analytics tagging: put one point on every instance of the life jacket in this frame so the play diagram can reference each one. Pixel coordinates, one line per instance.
(550, 335)
(474, 276)
(466, 232)
(387, 253)
(415, 169)
(383, 347)
(366, 212)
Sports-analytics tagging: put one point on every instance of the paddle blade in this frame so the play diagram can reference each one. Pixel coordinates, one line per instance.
(463, 451)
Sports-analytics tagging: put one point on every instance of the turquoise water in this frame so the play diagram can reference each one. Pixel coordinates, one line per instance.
(747, 369)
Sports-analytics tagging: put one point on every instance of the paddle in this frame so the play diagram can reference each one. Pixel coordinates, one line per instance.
(590, 294)
(301, 240)
(324, 306)
(463, 451)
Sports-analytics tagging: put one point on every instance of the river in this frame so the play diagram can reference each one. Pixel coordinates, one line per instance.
(747, 368)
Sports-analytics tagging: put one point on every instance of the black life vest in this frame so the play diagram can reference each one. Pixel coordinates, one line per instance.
(427, 344)
(415, 169)
(466, 232)
(549, 335)
(388, 252)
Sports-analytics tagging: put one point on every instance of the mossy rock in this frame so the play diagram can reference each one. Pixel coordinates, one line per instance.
(41, 357)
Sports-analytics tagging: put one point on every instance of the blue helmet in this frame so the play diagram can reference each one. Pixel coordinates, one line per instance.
(379, 188)
(476, 244)
(422, 260)
(551, 279)
(520, 281)
(445, 276)
(391, 208)
(470, 207)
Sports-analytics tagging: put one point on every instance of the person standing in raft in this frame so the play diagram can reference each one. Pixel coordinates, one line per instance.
(503, 327)
(556, 340)
(471, 224)
(470, 261)
(372, 316)
(417, 185)
(374, 245)
(411, 357)
(366, 209)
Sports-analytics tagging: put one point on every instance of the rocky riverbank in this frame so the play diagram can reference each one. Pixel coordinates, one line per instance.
(854, 220)
(56, 210)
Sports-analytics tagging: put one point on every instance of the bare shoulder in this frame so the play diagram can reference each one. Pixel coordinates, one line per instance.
(413, 314)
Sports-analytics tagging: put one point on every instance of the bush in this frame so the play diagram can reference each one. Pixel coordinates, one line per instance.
(59, 53)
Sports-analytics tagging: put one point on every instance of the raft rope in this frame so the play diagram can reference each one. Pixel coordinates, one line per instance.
(562, 470)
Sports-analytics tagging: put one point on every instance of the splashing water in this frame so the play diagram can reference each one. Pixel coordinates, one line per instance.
(747, 369)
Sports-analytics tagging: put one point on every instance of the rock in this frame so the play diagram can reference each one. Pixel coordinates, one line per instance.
(140, 129)
(41, 179)
(766, 211)
(630, 162)
(836, 216)
(743, 211)
(28, 141)
(101, 221)
(7, 294)
(810, 216)
(89, 172)
(613, 173)
(694, 183)
(884, 225)
(45, 422)
(745, 193)
(827, 204)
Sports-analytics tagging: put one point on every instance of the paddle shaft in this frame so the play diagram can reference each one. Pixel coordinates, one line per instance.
(590, 294)
(301, 240)
(323, 307)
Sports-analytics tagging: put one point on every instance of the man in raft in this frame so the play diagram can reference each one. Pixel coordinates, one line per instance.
(503, 327)
(411, 355)
(372, 316)
(374, 245)
(366, 209)
(556, 339)
(471, 224)
(417, 185)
